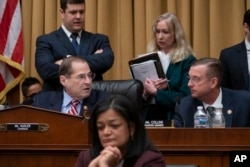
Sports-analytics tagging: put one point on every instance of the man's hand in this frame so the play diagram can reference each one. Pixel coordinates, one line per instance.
(99, 51)
(59, 62)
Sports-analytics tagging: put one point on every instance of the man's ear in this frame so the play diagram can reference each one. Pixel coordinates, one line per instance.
(62, 79)
(246, 27)
(214, 81)
(61, 11)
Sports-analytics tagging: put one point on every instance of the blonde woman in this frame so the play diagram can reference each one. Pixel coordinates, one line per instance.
(176, 56)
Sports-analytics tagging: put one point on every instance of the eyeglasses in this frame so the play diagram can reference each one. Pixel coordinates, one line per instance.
(90, 76)
(194, 80)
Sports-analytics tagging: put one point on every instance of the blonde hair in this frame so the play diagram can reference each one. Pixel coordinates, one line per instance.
(181, 48)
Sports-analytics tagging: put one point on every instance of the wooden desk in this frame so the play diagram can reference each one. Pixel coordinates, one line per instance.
(68, 135)
(57, 146)
(204, 147)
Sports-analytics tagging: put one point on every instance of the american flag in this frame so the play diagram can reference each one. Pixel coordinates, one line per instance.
(11, 46)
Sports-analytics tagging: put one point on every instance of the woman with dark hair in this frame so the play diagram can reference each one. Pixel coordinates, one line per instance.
(119, 138)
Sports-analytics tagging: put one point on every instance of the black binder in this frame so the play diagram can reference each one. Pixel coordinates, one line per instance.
(148, 57)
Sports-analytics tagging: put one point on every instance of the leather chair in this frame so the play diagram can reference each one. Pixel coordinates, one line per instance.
(131, 88)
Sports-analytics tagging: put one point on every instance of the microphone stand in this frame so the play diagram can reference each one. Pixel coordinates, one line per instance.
(177, 102)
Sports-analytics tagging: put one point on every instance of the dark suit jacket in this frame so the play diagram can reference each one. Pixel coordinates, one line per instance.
(56, 45)
(234, 61)
(235, 100)
(53, 100)
(147, 159)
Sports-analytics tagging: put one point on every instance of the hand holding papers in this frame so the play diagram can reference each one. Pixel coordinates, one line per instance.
(146, 66)
(144, 70)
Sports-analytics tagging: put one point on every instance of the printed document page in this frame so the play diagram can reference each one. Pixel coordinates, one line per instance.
(144, 70)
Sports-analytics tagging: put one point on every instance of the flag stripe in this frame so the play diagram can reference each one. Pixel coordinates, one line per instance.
(2, 6)
(2, 83)
(5, 22)
(18, 50)
(11, 46)
(14, 33)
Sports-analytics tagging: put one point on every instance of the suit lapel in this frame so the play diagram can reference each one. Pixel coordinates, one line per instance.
(56, 103)
(90, 101)
(242, 59)
(64, 40)
(189, 117)
(196, 104)
(227, 108)
(84, 43)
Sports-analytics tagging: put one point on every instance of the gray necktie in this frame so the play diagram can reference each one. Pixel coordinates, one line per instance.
(210, 115)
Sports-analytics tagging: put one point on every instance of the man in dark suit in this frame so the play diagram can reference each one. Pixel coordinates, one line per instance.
(205, 76)
(76, 78)
(236, 61)
(71, 39)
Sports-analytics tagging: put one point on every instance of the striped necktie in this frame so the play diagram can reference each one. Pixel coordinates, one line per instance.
(73, 108)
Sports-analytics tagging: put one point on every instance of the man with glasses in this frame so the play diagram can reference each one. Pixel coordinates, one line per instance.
(77, 95)
(205, 77)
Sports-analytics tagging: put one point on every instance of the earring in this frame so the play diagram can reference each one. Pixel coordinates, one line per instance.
(131, 137)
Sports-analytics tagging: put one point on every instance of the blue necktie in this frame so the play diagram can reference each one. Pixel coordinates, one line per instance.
(74, 42)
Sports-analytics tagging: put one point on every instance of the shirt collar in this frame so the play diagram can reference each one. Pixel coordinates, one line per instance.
(247, 44)
(67, 99)
(68, 33)
(217, 101)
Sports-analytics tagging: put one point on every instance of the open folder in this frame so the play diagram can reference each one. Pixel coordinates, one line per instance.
(146, 66)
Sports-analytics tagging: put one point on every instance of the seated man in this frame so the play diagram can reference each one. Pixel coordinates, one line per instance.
(77, 94)
(30, 87)
(205, 77)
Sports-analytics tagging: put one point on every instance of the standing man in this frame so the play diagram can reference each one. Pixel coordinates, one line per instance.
(205, 76)
(236, 61)
(71, 39)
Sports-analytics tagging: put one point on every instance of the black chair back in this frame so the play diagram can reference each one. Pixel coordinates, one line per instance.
(131, 88)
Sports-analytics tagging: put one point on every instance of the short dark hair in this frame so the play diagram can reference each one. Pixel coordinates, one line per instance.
(124, 107)
(214, 66)
(27, 82)
(66, 67)
(63, 3)
(246, 18)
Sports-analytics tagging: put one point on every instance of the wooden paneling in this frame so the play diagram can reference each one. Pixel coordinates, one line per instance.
(68, 135)
(204, 147)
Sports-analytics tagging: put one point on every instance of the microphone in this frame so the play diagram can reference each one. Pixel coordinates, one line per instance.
(177, 102)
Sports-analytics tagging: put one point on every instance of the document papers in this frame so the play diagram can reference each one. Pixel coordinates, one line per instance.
(144, 70)
(146, 66)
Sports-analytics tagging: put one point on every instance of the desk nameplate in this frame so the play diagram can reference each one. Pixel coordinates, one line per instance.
(158, 123)
(24, 127)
